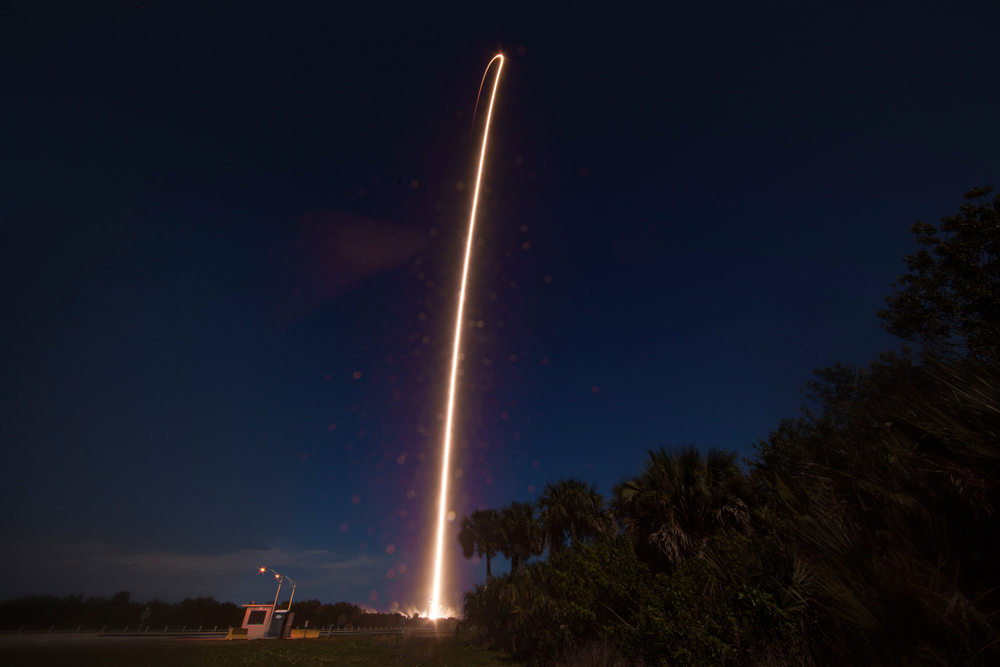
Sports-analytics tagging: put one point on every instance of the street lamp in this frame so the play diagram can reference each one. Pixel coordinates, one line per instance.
(281, 579)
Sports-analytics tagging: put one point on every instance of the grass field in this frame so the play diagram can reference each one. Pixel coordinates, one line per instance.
(445, 651)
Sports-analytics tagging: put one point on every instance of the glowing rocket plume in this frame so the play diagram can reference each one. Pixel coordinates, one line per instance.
(435, 601)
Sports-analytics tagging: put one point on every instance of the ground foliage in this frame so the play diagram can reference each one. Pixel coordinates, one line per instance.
(900, 538)
(706, 611)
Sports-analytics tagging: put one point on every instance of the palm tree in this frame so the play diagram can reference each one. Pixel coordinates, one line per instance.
(522, 536)
(571, 508)
(480, 535)
(681, 498)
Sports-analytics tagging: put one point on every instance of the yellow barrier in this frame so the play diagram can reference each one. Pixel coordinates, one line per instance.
(304, 634)
(237, 633)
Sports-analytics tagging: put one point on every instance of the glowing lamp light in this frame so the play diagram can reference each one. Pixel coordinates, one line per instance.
(281, 579)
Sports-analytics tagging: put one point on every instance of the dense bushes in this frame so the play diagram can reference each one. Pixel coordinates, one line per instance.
(866, 533)
(873, 540)
(707, 611)
(901, 538)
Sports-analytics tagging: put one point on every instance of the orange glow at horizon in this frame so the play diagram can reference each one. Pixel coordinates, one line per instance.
(436, 607)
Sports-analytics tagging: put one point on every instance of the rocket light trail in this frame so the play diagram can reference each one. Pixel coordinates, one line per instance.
(435, 601)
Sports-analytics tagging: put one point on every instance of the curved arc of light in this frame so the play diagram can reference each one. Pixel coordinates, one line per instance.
(443, 510)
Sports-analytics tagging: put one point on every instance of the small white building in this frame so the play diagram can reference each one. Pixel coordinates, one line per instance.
(257, 619)
(263, 621)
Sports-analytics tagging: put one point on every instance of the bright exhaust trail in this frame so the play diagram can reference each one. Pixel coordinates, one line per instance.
(435, 601)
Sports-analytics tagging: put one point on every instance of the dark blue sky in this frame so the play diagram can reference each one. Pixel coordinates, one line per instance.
(231, 241)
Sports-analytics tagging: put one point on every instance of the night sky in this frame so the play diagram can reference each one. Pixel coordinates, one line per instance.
(230, 244)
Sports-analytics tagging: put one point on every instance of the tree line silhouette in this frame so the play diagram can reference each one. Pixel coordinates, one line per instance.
(865, 531)
(41, 612)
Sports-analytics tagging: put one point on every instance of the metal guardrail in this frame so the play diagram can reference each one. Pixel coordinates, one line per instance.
(149, 631)
(336, 632)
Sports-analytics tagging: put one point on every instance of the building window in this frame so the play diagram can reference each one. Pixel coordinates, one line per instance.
(257, 617)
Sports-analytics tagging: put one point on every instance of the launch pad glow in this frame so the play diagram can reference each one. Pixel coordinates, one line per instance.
(435, 601)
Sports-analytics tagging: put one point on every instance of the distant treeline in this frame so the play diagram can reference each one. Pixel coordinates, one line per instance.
(40, 612)
(43, 611)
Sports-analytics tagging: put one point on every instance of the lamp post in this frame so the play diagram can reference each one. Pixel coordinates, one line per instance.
(281, 579)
